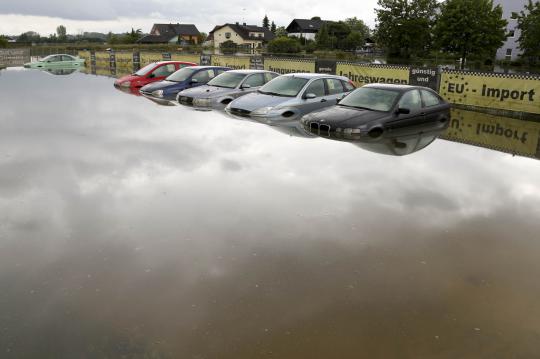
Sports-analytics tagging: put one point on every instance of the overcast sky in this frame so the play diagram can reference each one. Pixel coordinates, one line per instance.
(121, 15)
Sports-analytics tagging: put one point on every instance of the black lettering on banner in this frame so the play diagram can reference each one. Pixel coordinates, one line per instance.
(325, 67)
(424, 76)
(502, 94)
(372, 79)
(256, 63)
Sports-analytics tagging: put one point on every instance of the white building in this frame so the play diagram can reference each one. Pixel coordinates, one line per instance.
(510, 50)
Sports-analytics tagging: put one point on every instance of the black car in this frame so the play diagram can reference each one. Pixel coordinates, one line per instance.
(372, 110)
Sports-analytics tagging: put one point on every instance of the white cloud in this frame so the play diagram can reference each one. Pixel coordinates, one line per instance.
(121, 16)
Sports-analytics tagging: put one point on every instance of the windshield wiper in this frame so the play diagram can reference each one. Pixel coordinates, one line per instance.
(273, 94)
(358, 107)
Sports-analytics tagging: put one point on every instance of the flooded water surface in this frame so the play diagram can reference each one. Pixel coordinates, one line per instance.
(134, 230)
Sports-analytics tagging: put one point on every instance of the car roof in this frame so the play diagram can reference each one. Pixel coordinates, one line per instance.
(395, 87)
(173, 62)
(251, 71)
(207, 67)
(309, 75)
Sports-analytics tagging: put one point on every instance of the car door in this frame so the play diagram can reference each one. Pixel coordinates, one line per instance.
(161, 72)
(67, 60)
(317, 88)
(254, 81)
(335, 90)
(411, 101)
(201, 77)
(434, 106)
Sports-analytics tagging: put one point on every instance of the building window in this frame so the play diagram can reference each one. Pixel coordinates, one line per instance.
(228, 35)
(508, 52)
(512, 33)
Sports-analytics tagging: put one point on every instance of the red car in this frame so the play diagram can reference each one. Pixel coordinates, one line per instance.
(153, 72)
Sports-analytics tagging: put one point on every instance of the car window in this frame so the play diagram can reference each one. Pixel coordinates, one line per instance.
(288, 86)
(203, 76)
(219, 71)
(347, 86)
(67, 58)
(181, 66)
(268, 76)
(254, 80)
(430, 99)
(316, 87)
(54, 58)
(411, 100)
(164, 70)
(371, 99)
(334, 86)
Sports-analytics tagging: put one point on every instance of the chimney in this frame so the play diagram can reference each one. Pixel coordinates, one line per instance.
(237, 23)
(244, 24)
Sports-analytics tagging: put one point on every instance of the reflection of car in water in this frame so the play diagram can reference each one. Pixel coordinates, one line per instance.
(60, 60)
(292, 95)
(224, 88)
(375, 109)
(397, 142)
(180, 80)
(153, 72)
(60, 71)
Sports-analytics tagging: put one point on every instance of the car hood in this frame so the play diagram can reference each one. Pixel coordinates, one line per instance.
(160, 85)
(207, 91)
(345, 116)
(254, 101)
(131, 78)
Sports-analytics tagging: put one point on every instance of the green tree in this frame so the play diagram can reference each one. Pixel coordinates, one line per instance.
(228, 46)
(3, 41)
(62, 33)
(470, 28)
(266, 22)
(273, 27)
(357, 25)
(281, 31)
(131, 37)
(284, 45)
(322, 38)
(202, 37)
(29, 36)
(529, 25)
(403, 26)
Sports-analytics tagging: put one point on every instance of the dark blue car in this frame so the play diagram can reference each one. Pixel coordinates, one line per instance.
(180, 80)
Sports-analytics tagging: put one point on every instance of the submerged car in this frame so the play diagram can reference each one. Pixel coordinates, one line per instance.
(180, 80)
(226, 87)
(292, 95)
(58, 60)
(373, 110)
(156, 71)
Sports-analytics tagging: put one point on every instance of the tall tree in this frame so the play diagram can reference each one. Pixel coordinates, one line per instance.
(323, 37)
(273, 27)
(529, 25)
(470, 28)
(403, 26)
(266, 22)
(281, 31)
(358, 25)
(3, 41)
(61, 32)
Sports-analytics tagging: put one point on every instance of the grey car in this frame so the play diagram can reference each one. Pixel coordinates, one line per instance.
(292, 95)
(226, 87)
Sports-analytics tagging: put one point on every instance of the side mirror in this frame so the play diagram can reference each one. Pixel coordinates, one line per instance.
(310, 96)
(246, 86)
(403, 111)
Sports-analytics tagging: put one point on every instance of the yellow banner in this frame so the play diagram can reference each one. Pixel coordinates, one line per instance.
(149, 57)
(103, 59)
(495, 132)
(234, 62)
(288, 66)
(186, 58)
(124, 60)
(366, 74)
(499, 91)
(84, 55)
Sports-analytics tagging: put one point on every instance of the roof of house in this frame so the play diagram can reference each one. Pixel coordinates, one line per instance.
(244, 30)
(168, 31)
(307, 24)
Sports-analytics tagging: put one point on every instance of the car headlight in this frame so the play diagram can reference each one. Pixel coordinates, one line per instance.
(262, 111)
(126, 84)
(158, 93)
(202, 101)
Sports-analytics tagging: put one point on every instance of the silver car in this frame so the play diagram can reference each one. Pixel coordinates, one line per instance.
(226, 87)
(292, 95)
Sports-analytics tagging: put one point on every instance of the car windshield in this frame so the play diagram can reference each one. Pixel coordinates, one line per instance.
(145, 70)
(50, 57)
(288, 86)
(371, 99)
(227, 79)
(181, 75)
